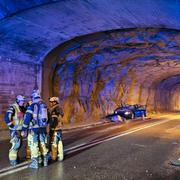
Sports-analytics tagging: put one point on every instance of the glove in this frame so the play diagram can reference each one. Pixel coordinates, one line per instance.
(23, 134)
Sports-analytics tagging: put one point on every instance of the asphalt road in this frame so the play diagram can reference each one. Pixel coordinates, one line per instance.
(134, 150)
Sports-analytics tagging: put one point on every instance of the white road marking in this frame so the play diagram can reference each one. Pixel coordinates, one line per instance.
(139, 145)
(138, 129)
(111, 128)
(11, 167)
(73, 149)
(13, 171)
(114, 137)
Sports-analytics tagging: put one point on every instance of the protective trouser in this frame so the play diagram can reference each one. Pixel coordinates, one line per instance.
(56, 145)
(37, 141)
(16, 143)
(28, 150)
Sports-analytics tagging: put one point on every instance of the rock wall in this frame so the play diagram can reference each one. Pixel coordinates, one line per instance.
(94, 74)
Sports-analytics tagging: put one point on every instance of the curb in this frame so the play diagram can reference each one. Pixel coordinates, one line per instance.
(83, 126)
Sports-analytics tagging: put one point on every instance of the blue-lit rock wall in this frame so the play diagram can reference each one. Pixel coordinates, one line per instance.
(94, 74)
(167, 96)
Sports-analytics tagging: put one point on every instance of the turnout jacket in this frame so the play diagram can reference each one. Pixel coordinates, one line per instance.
(14, 116)
(32, 119)
(55, 117)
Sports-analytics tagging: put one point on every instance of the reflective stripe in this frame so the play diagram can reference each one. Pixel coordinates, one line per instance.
(9, 123)
(18, 117)
(24, 125)
(9, 116)
(57, 128)
(10, 111)
(29, 111)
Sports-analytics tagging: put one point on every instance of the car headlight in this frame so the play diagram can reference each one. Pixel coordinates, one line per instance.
(127, 112)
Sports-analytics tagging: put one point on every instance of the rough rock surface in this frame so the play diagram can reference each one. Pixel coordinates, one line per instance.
(92, 54)
(94, 74)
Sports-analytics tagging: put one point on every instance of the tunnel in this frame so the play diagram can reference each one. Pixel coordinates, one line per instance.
(94, 74)
(93, 55)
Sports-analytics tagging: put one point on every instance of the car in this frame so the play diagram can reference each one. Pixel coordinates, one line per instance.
(128, 112)
(131, 111)
(139, 110)
(125, 112)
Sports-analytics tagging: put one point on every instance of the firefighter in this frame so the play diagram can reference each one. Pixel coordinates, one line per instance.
(55, 126)
(14, 120)
(36, 121)
(28, 151)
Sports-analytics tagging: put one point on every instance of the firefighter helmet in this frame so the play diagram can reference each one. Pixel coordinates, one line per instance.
(20, 98)
(35, 94)
(54, 99)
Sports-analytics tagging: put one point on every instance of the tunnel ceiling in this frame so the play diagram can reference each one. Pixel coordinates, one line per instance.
(30, 34)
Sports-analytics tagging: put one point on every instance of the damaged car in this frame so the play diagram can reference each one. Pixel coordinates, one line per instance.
(128, 112)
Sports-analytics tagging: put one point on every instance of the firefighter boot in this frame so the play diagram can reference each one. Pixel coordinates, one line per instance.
(39, 161)
(60, 151)
(34, 163)
(28, 153)
(53, 152)
(13, 162)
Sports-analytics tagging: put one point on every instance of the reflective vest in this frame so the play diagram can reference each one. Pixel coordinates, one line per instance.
(18, 117)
